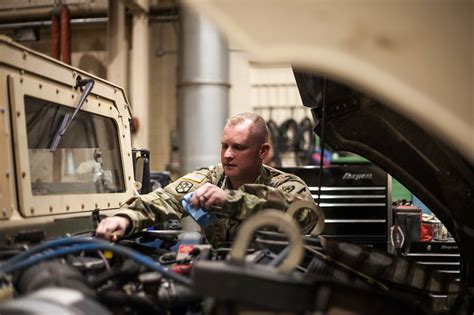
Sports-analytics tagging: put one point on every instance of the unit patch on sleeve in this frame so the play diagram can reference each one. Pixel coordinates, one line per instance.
(288, 188)
(184, 187)
(195, 177)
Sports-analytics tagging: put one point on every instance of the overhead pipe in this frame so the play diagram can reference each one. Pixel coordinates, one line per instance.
(158, 17)
(45, 24)
(65, 18)
(29, 10)
(61, 34)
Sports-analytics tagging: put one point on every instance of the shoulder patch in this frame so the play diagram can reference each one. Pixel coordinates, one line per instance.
(183, 187)
(195, 177)
(288, 188)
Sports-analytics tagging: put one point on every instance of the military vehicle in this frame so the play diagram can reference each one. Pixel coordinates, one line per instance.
(67, 162)
(66, 146)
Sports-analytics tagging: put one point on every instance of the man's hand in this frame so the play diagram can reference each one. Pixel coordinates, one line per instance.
(208, 196)
(112, 228)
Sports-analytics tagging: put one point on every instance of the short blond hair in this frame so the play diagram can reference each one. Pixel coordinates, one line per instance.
(257, 123)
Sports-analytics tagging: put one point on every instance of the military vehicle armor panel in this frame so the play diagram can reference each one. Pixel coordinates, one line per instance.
(56, 190)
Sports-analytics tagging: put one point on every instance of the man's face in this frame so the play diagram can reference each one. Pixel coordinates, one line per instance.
(240, 153)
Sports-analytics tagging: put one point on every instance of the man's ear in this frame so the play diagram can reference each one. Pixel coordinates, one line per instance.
(264, 150)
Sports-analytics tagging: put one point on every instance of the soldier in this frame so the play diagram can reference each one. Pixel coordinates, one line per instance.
(239, 186)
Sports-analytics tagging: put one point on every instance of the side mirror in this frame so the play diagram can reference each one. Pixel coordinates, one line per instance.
(141, 169)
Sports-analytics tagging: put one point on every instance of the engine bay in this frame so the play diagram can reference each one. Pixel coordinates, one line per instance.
(171, 271)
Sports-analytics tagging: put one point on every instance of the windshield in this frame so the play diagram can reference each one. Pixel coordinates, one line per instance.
(87, 160)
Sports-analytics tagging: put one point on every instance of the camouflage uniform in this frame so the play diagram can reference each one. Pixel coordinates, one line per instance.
(272, 189)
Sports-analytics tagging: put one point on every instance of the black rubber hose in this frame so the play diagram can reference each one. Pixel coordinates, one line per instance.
(306, 142)
(275, 139)
(126, 272)
(52, 274)
(289, 135)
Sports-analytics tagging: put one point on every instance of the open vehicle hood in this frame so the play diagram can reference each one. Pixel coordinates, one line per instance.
(431, 169)
(413, 58)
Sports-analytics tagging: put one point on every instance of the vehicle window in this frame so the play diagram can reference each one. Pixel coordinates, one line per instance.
(87, 160)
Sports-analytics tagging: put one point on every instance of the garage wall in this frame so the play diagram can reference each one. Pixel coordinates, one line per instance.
(163, 93)
(254, 87)
(267, 89)
(89, 53)
(274, 94)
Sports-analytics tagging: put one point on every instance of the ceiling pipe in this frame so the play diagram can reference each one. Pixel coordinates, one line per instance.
(65, 18)
(157, 17)
(44, 24)
(18, 12)
(15, 11)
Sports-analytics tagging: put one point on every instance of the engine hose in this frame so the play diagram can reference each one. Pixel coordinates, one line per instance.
(306, 142)
(52, 273)
(94, 245)
(289, 135)
(118, 276)
(269, 217)
(316, 211)
(50, 244)
(275, 139)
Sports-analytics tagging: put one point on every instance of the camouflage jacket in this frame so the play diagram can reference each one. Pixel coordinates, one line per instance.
(272, 189)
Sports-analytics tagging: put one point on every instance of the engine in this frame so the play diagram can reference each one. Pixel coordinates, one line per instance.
(170, 271)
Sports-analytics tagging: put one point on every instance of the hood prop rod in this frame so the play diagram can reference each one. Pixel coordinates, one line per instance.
(321, 142)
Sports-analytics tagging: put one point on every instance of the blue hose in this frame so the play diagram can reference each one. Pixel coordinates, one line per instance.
(26, 260)
(50, 244)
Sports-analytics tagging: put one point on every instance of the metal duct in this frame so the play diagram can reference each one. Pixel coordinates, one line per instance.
(203, 91)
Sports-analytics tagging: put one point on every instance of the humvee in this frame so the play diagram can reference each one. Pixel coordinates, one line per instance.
(66, 146)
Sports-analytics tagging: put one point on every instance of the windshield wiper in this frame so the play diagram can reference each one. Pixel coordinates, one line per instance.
(66, 122)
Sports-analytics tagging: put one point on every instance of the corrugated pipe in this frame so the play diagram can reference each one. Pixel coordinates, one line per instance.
(65, 35)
